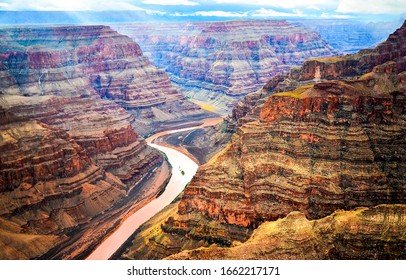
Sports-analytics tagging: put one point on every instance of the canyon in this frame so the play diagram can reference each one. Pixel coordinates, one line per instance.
(75, 103)
(315, 170)
(350, 36)
(220, 62)
(308, 162)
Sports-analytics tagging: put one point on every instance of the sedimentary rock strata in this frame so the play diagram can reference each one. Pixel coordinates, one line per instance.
(331, 152)
(393, 49)
(317, 148)
(351, 36)
(101, 127)
(387, 57)
(70, 151)
(48, 184)
(230, 58)
(364, 233)
(91, 60)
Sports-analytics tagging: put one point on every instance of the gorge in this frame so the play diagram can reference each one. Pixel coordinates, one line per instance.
(72, 163)
(315, 170)
(308, 163)
(220, 62)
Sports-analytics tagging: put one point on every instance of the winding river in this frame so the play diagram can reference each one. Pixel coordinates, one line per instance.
(183, 170)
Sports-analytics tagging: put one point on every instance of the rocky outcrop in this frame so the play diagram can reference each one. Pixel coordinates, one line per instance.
(318, 148)
(350, 36)
(229, 58)
(91, 60)
(101, 127)
(386, 57)
(351, 66)
(72, 165)
(330, 153)
(364, 233)
(48, 184)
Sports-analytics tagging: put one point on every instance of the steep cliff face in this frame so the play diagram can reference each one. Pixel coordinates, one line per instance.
(364, 233)
(357, 64)
(317, 148)
(47, 184)
(229, 58)
(387, 57)
(72, 165)
(91, 60)
(351, 36)
(101, 127)
(331, 152)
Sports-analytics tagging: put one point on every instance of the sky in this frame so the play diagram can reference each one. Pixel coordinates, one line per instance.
(364, 10)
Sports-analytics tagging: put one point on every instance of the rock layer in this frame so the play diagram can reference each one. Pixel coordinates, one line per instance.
(48, 183)
(350, 36)
(91, 60)
(101, 127)
(230, 58)
(323, 146)
(364, 233)
(393, 49)
(72, 165)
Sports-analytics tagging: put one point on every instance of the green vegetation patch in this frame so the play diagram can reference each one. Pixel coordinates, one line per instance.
(297, 93)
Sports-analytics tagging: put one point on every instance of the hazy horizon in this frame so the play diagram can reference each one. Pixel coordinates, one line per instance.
(199, 10)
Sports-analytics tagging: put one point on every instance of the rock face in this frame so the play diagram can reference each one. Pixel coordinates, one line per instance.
(324, 146)
(388, 56)
(364, 233)
(91, 60)
(390, 51)
(47, 184)
(351, 36)
(101, 127)
(220, 62)
(72, 164)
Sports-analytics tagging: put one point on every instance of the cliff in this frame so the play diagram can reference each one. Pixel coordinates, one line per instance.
(350, 36)
(386, 57)
(101, 127)
(91, 60)
(325, 146)
(356, 64)
(72, 163)
(363, 233)
(220, 62)
(47, 184)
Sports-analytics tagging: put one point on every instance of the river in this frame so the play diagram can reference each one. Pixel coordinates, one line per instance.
(183, 170)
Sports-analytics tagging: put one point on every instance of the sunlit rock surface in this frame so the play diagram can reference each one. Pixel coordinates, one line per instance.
(220, 62)
(311, 142)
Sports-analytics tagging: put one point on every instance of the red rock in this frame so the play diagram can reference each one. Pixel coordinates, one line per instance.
(316, 148)
(91, 60)
(79, 173)
(231, 58)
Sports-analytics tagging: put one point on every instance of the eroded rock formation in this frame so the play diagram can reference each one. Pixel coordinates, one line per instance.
(220, 62)
(323, 146)
(48, 184)
(72, 164)
(363, 233)
(87, 61)
(350, 36)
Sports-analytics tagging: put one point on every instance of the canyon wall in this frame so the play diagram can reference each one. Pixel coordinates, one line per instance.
(351, 36)
(363, 233)
(75, 101)
(325, 146)
(220, 62)
(76, 61)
